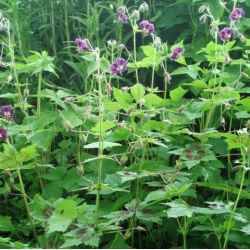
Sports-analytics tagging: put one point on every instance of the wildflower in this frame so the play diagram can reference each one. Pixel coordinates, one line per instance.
(236, 14)
(83, 45)
(118, 66)
(176, 53)
(3, 134)
(7, 112)
(123, 18)
(147, 27)
(226, 34)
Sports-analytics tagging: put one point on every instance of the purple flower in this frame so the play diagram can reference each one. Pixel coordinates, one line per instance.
(236, 14)
(123, 18)
(118, 66)
(3, 134)
(7, 112)
(82, 45)
(176, 53)
(226, 34)
(147, 27)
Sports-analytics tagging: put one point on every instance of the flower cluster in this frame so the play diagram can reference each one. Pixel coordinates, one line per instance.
(118, 66)
(123, 18)
(7, 112)
(83, 44)
(3, 134)
(147, 27)
(178, 51)
(236, 14)
(227, 33)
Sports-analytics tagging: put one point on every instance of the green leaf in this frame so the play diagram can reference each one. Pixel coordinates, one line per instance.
(65, 212)
(123, 98)
(106, 144)
(152, 100)
(179, 208)
(71, 116)
(26, 154)
(246, 229)
(137, 91)
(102, 127)
(6, 224)
(177, 94)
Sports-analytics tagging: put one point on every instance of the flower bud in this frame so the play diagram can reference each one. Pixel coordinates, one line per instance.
(143, 7)
(135, 16)
(80, 169)
(68, 125)
(26, 92)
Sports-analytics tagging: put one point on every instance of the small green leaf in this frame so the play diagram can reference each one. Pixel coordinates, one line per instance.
(65, 212)
(177, 94)
(137, 91)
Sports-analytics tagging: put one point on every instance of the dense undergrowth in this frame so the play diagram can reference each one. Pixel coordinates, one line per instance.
(124, 124)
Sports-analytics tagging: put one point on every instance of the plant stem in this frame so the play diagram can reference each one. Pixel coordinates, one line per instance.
(39, 94)
(237, 199)
(135, 58)
(100, 153)
(26, 204)
(153, 71)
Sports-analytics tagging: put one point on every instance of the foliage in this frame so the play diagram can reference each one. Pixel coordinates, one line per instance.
(131, 131)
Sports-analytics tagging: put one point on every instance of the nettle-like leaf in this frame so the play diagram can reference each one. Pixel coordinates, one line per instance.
(65, 212)
(85, 234)
(11, 159)
(193, 154)
(153, 57)
(123, 98)
(102, 127)
(137, 91)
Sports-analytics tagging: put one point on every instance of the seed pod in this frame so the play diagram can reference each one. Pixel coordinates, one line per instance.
(68, 125)
(124, 159)
(26, 92)
(80, 169)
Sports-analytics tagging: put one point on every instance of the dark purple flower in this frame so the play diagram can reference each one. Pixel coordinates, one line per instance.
(147, 27)
(3, 134)
(82, 45)
(7, 112)
(123, 18)
(176, 53)
(226, 34)
(236, 14)
(118, 66)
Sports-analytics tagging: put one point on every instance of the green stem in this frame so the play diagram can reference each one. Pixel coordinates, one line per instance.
(135, 58)
(39, 94)
(13, 65)
(26, 204)
(237, 199)
(53, 26)
(100, 153)
(153, 71)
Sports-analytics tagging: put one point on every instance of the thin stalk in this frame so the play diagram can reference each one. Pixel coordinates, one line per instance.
(13, 65)
(100, 151)
(153, 71)
(237, 199)
(53, 27)
(135, 58)
(23, 193)
(39, 94)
